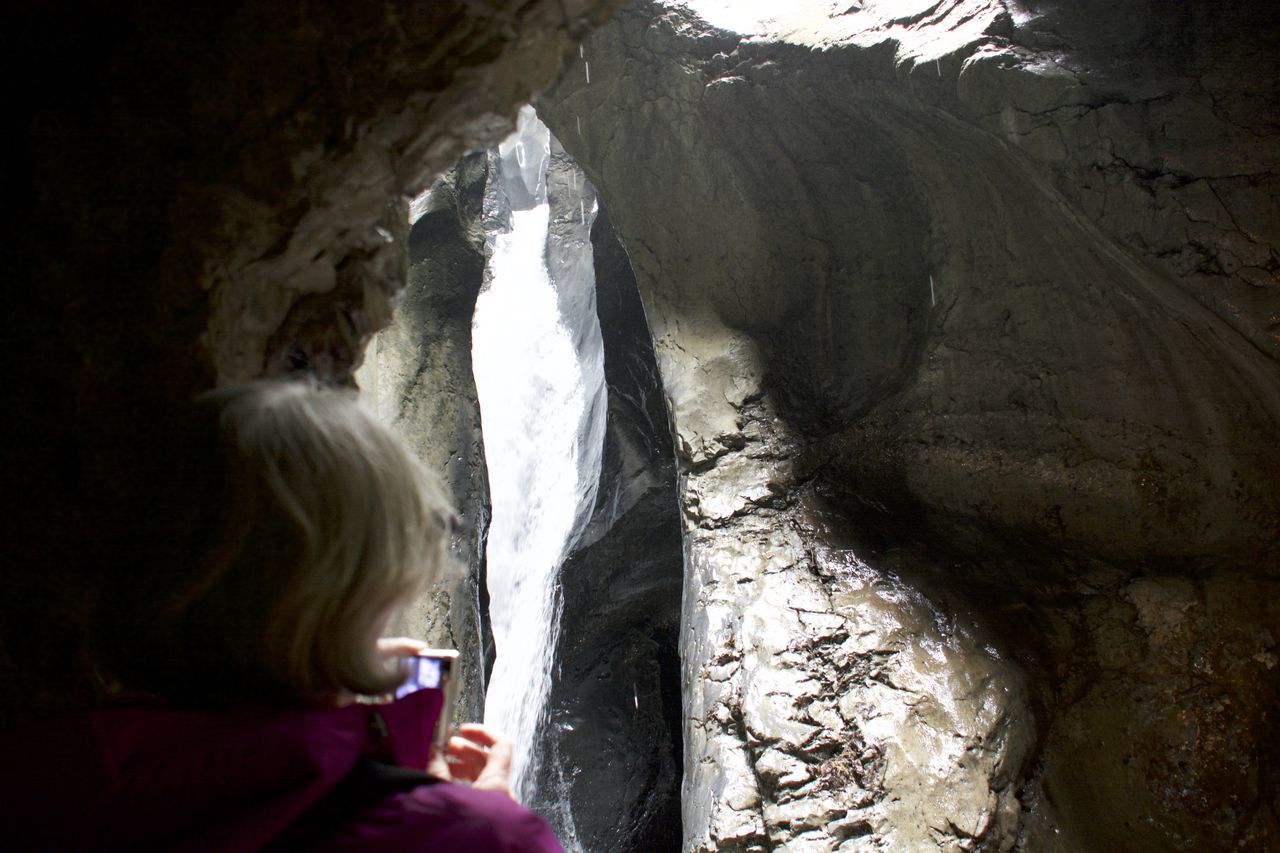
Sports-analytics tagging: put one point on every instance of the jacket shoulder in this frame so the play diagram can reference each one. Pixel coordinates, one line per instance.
(444, 816)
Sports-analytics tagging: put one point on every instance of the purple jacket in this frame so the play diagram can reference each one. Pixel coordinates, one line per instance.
(158, 778)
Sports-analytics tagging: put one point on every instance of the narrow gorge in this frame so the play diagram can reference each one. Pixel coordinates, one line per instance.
(585, 570)
(863, 417)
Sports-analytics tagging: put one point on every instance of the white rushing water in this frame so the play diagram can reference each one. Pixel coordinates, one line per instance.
(539, 375)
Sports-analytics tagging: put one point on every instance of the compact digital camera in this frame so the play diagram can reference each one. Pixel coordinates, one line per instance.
(433, 669)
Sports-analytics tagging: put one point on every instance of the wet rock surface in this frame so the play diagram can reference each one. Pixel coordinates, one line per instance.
(976, 402)
(834, 702)
(966, 314)
(417, 377)
(610, 750)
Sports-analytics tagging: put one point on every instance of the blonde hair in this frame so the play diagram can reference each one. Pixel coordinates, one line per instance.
(305, 524)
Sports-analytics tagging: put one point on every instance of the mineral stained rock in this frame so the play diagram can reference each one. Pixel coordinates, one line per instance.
(968, 317)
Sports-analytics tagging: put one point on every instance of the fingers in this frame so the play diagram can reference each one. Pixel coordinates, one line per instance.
(496, 775)
(439, 767)
(482, 756)
(396, 646)
(481, 734)
(466, 759)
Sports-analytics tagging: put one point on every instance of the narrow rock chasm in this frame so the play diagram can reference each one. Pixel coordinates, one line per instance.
(604, 761)
(428, 345)
(939, 500)
(611, 747)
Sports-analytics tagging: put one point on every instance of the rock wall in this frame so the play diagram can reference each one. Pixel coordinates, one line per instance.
(417, 376)
(966, 313)
(200, 195)
(609, 774)
(967, 318)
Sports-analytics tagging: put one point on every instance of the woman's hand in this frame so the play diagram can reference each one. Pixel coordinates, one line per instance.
(478, 755)
(395, 647)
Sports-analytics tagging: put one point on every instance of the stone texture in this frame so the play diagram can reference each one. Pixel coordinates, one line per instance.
(973, 373)
(186, 183)
(966, 313)
(609, 768)
(830, 703)
(417, 377)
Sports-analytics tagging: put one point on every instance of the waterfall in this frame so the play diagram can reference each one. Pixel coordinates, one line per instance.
(539, 371)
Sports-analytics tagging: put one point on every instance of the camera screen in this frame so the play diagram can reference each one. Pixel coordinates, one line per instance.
(424, 672)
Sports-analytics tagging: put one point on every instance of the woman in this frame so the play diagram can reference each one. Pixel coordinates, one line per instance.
(286, 529)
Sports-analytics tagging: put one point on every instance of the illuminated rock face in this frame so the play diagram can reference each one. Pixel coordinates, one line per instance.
(966, 315)
(417, 376)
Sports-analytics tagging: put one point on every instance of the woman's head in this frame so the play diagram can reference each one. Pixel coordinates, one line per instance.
(289, 525)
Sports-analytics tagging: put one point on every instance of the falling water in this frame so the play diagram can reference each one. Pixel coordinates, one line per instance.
(539, 374)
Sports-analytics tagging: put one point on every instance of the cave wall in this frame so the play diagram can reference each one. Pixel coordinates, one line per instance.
(417, 377)
(204, 195)
(967, 317)
(609, 751)
(984, 557)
